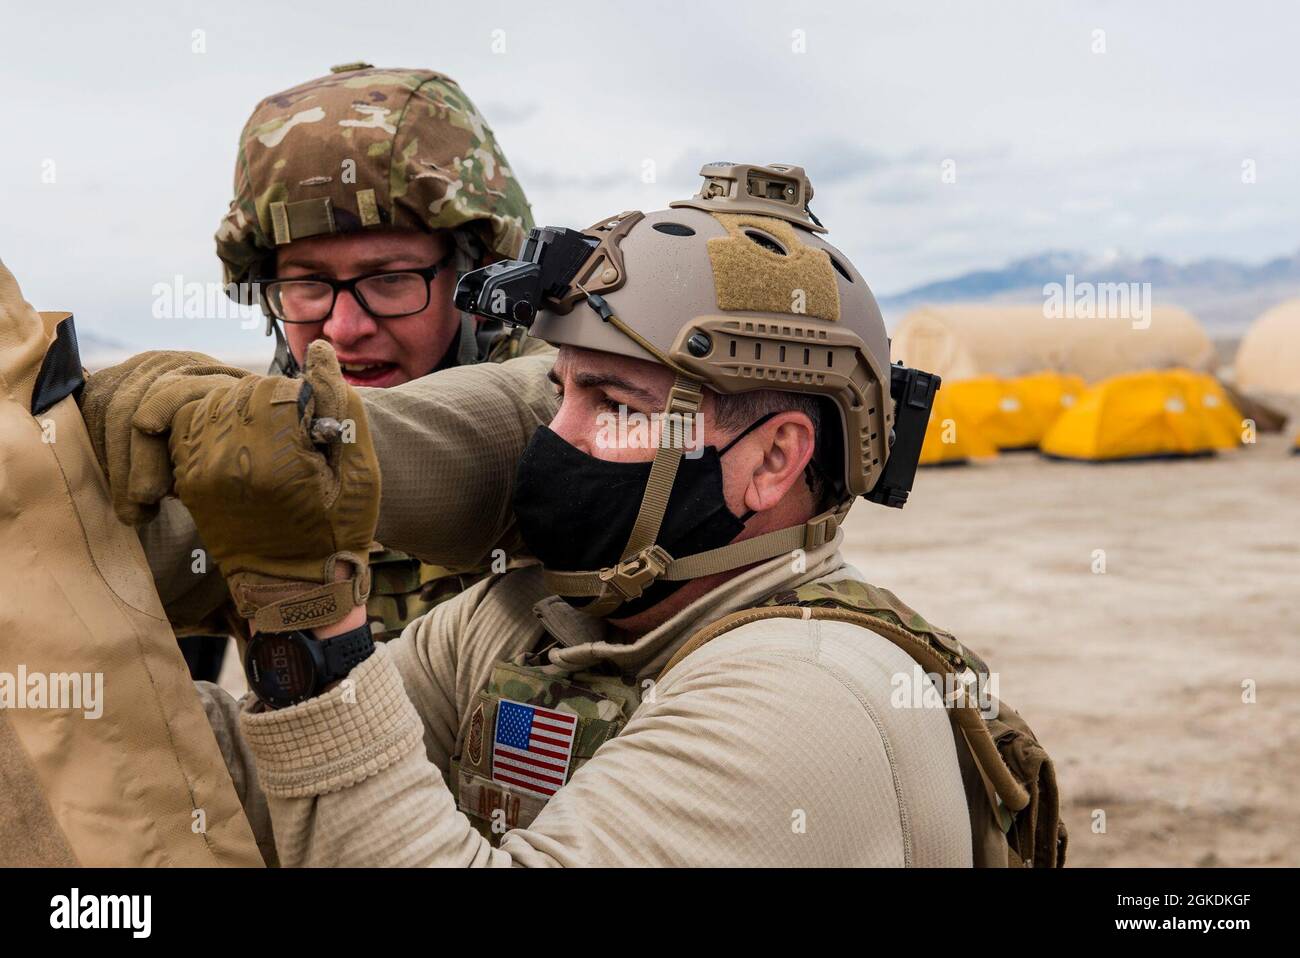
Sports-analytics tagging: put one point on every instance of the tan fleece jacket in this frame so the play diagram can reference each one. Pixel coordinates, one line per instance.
(449, 443)
(775, 744)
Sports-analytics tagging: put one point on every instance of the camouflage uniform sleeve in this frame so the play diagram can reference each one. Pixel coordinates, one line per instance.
(448, 444)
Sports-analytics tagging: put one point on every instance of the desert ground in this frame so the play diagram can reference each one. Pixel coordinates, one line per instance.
(1132, 678)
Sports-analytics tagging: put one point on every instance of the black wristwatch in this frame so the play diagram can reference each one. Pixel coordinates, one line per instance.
(285, 668)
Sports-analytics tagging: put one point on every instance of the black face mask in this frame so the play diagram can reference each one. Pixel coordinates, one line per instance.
(576, 512)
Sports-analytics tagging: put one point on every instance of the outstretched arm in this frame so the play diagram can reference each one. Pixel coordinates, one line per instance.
(447, 444)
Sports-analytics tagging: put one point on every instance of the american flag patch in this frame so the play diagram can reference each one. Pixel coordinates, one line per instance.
(532, 747)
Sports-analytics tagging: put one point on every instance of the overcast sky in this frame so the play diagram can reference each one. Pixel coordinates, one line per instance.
(1139, 148)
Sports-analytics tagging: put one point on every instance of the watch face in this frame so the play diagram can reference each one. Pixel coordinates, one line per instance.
(280, 668)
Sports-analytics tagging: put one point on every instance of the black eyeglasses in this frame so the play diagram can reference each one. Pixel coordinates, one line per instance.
(385, 295)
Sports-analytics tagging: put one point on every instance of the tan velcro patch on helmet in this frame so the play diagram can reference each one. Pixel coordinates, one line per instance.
(751, 277)
(299, 220)
(368, 207)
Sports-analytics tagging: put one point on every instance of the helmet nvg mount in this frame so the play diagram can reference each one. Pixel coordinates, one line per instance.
(734, 289)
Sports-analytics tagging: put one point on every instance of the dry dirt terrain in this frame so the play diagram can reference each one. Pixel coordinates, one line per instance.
(1132, 678)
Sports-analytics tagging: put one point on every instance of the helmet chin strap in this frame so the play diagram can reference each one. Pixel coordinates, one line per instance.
(644, 562)
(283, 364)
(466, 258)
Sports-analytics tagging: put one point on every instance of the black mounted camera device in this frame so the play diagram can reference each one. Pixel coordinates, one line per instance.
(913, 392)
(514, 291)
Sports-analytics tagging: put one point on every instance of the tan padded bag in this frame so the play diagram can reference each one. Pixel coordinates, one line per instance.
(126, 788)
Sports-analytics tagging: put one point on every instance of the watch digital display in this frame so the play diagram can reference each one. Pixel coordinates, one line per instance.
(280, 667)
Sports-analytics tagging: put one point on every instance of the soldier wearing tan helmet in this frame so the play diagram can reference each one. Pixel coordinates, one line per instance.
(360, 198)
(691, 674)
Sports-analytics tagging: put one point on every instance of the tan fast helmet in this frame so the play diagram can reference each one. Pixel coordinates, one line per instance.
(733, 289)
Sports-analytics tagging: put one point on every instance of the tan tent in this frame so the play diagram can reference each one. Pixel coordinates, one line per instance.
(1269, 356)
(1266, 417)
(963, 341)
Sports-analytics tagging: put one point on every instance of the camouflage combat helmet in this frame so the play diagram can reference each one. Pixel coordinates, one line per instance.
(364, 148)
(736, 290)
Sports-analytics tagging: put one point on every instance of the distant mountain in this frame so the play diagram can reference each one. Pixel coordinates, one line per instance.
(1224, 294)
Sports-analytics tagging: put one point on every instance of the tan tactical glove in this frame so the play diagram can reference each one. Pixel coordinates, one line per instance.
(279, 512)
(137, 464)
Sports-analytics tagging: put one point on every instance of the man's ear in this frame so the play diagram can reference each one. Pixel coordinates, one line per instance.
(786, 443)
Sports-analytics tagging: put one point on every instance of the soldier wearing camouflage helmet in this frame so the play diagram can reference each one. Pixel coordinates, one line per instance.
(366, 172)
(365, 153)
(360, 198)
(692, 674)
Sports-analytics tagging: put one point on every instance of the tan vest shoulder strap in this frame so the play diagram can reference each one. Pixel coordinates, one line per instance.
(971, 722)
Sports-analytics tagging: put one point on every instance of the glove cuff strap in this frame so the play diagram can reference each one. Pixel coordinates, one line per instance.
(323, 605)
(285, 605)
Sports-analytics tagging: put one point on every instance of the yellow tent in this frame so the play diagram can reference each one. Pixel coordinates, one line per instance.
(960, 341)
(1137, 416)
(1046, 396)
(1014, 413)
(950, 437)
(1268, 358)
(1221, 415)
